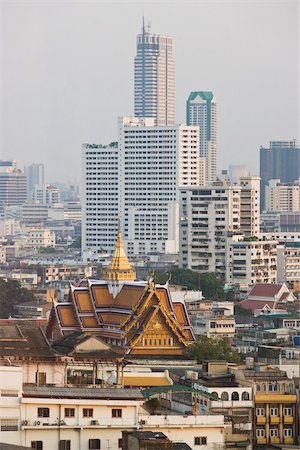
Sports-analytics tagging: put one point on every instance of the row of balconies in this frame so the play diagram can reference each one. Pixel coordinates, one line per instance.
(274, 419)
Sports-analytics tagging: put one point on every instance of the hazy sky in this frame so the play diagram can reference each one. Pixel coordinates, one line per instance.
(67, 73)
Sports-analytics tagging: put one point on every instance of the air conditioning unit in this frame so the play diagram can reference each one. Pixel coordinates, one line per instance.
(25, 423)
(94, 422)
(37, 422)
(62, 422)
(143, 422)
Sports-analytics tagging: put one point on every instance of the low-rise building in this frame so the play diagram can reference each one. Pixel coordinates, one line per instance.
(40, 237)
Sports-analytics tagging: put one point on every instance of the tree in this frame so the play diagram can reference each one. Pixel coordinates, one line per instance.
(153, 404)
(206, 348)
(210, 285)
(12, 294)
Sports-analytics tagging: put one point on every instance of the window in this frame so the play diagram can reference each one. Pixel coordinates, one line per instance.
(287, 411)
(260, 432)
(69, 412)
(94, 444)
(287, 432)
(65, 445)
(38, 445)
(260, 411)
(43, 412)
(273, 432)
(9, 425)
(200, 440)
(87, 412)
(245, 396)
(116, 413)
(120, 443)
(235, 396)
(224, 396)
(273, 411)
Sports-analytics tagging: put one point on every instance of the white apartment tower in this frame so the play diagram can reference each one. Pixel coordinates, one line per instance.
(250, 205)
(100, 187)
(154, 162)
(207, 216)
(201, 110)
(282, 196)
(154, 78)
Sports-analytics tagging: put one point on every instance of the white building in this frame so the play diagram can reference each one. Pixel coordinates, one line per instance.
(207, 215)
(45, 194)
(35, 174)
(100, 199)
(40, 237)
(251, 261)
(47, 417)
(288, 264)
(154, 163)
(202, 111)
(282, 196)
(154, 78)
(250, 205)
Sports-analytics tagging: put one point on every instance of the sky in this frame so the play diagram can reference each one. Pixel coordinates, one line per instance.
(67, 74)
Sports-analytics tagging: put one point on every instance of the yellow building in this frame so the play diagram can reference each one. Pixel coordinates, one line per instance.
(274, 404)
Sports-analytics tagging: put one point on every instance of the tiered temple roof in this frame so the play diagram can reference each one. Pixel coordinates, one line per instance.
(124, 312)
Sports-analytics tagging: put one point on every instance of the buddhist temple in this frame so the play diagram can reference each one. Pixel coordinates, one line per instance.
(136, 315)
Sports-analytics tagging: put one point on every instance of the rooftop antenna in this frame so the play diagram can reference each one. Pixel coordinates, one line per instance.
(143, 28)
(149, 26)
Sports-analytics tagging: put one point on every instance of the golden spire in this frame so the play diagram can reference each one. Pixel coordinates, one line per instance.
(120, 268)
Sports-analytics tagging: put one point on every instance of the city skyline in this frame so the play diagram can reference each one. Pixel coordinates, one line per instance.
(56, 92)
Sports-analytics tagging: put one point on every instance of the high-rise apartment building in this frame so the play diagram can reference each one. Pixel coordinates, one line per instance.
(35, 175)
(282, 196)
(154, 163)
(280, 161)
(201, 110)
(250, 211)
(154, 78)
(12, 184)
(207, 216)
(100, 201)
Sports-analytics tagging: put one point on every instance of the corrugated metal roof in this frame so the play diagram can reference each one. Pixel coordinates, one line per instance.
(78, 393)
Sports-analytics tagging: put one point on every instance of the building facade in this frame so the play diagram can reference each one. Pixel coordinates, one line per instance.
(251, 261)
(35, 174)
(282, 196)
(100, 198)
(12, 184)
(250, 208)
(207, 215)
(201, 110)
(154, 163)
(280, 161)
(154, 78)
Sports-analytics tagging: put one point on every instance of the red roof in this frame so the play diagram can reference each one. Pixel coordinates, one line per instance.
(253, 305)
(284, 296)
(264, 290)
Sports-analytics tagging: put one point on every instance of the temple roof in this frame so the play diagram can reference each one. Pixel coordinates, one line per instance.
(120, 268)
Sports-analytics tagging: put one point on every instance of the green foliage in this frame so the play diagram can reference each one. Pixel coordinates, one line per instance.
(210, 285)
(76, 243)
(213, 349)
(12, 294)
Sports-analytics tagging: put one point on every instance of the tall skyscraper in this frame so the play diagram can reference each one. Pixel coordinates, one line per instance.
(201, 110)
(154, 78)
(35, 175)
(280, 161)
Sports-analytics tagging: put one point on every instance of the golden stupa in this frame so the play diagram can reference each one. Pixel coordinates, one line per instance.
(119, 268)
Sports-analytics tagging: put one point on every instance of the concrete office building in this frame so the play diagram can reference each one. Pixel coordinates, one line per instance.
(154, 163)
(154, 78)
(201, 110)
(250, 211)
(280, 161)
